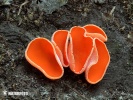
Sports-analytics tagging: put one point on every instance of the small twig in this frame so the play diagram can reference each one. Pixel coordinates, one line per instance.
(20, 8)
(7, 14)
(20, 21)
(111, 12)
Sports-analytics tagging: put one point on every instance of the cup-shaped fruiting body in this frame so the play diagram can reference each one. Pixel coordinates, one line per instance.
(98, 63)
(60, 41)
(79, 49)
(95, 32)
(41, 54)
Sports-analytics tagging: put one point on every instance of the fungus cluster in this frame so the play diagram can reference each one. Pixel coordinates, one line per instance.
(82, 49)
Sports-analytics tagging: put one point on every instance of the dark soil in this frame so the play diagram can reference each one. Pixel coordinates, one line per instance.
(17, 30)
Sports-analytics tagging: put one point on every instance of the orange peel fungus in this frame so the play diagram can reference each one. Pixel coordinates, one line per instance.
(41, 54)
(82, 49)
(60, 42)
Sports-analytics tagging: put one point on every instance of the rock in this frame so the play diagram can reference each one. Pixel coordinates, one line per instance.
(99, 1)
(5, 2)
(48, 5)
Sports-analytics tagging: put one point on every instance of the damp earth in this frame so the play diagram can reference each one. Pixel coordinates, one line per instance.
(23, 20)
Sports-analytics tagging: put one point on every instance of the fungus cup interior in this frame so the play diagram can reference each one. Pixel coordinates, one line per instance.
(97, 71)
(41, 54)
(60, 41)
(81, 47)
(95, 32)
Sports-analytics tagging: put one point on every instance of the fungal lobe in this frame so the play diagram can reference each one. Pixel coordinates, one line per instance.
(40, 53)
(95, 71)
(79, 50)
(60, 41)
(95, 32)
